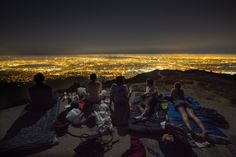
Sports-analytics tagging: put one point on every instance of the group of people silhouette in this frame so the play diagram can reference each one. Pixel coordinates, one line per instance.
(42, 100)
(119, 98)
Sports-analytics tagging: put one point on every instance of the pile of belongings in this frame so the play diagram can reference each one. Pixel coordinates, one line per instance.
(80, 113)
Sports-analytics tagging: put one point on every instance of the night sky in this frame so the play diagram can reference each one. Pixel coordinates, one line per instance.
(115, 26)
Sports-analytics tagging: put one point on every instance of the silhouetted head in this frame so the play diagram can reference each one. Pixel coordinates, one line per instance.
(93, 77)
(150, 82)
(39, 78)
(120, 80)
(177, 85)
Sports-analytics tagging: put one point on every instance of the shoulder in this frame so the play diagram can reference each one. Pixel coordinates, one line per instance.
(40, 87)
(125, 86)
(173, 90)
(98, 83)
(113, 85)
(113, 88)
(46, 87)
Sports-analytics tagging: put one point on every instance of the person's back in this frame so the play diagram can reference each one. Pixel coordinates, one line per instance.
(93, 89)
(119, 92)
(40, 95)
(119, 95)
(177, 94)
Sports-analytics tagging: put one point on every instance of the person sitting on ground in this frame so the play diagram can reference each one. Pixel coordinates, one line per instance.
(119, 96)
(150, 97)
(185, 110)
(93, 90)
(40, 95)
(41, 101)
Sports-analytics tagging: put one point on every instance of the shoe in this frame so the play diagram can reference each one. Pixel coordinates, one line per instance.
(138, 117)
(55, 141)
(196, 137)
(144, 118)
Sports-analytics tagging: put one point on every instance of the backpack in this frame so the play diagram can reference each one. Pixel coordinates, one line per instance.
(60, 126)
(91, 122)
(176, 149)
(136, 149)
(93, 146)
(72, 114)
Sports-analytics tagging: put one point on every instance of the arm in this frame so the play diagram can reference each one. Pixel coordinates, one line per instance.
(146, 91)
(154, 91)
(150, 91)
(172, 95)
(100, 87)
(126, 91)
(111, 99)
(87, 89)
(31, 95)
(183, 94)
(111, 95)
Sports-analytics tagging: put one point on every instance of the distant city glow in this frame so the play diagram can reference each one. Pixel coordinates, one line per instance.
(22, 68)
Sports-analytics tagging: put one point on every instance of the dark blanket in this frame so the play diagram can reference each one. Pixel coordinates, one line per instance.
(30, 132)
(150, 126)
(218, 119)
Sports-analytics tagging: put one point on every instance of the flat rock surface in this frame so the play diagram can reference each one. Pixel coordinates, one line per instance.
(68, 143)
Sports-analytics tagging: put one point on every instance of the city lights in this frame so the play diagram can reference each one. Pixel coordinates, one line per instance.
(22, 68)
